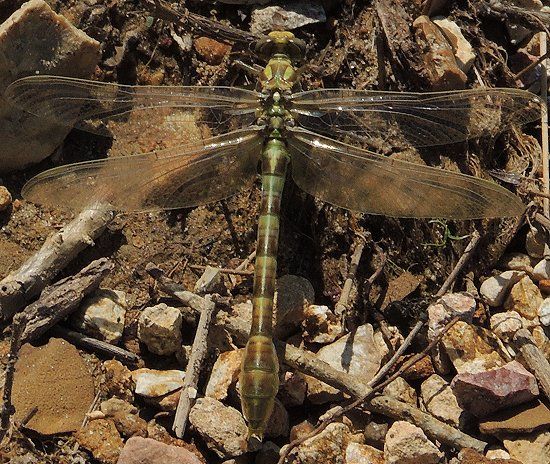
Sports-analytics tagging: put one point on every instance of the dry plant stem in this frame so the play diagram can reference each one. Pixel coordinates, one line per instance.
(198, 354)
(60, 299)
(534, 358)
(58, 250)
(308, 363)
(18, 327)
(544, 121)
(543, 221)
(95, 345)
(468, 252)
(387, 406)
(223, 270)
(342, 304)
(528, 68)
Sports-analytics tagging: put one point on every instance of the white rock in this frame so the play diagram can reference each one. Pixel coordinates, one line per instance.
(225, 374)
(35, 40)
(209, 282)
(439, 400)
(542, 270)
(407, 444)
(321, 325)
(464, 52)
(544, 312)
(447, 307)
(152, 383)
(505, 325)
(401, 390)
(292, 15)
(357, 453)
(159, 327)
(356, 353)
(102, 314)
(494, 289)
(222, 428)
(494, 452)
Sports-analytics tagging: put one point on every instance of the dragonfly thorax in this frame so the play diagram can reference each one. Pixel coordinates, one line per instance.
(279, 74)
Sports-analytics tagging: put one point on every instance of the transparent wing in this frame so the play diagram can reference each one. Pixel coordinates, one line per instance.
(178, 177)
(135, 112)
(360, 180)
(420, 119)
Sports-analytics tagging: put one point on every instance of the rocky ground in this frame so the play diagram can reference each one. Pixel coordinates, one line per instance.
(439, 330)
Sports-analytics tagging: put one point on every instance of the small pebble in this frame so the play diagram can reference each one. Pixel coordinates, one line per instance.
(5, 198)
(544, 312)
(211, 50)
(544, 286)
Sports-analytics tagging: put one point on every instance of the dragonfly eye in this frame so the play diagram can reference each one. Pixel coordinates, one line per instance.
(283, 43)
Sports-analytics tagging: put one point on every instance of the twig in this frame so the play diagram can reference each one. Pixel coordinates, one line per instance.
(60, 299)
(538, 194)
(91, 409)
(534, 64)
(534, 358)
(93, 344)
(372, 390)
(18, 327)
(342, 304)
(58, 250)
(468, 252)
(223, 270)
(544, 122)
(192, 371)
(543, 221)
(308, 363)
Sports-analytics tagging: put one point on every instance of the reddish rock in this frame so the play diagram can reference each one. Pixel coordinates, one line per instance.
(211, 50)
(118, 381)
(101, 438)
(483, 393)
(140, 450)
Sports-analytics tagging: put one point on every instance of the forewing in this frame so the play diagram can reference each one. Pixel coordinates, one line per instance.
(360, 180)
(419, 119)
(178, 177)
(164, 116)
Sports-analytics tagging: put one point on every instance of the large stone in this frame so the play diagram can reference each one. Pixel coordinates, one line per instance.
(494, 289)
(506, 324)
(463, 50)
(101, 315)
(532, 449)
(222, 428)
(483, 393)
(441, 65)
(521, 419)
(407, 444)
(356, 453)
(54, 380)
(525, 298)
(439, 400)
(472, 348)
(101, 438)
(288, 15)
(159, 327)
(152, 383)
(326, 447)
(36, 40)
(224, 375)
(139, 450)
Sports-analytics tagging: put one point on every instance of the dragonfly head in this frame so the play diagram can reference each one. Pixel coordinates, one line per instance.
(281, 43)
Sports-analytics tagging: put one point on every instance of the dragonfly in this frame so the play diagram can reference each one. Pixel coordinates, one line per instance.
(318, 135)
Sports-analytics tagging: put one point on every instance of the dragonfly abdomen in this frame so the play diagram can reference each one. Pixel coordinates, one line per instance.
(259, 379)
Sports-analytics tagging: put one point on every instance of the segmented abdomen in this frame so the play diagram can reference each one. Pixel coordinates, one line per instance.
(259, 379)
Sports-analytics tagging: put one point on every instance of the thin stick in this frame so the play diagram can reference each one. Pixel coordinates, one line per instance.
(192, 371)
(468, 252)
(93, 344)
(223, 270)
(18, 327)
(308, 363)
(538, 194)
(342, 305)
(58, 250)
(528, 68)
(534, 358)
(544, 122)
(371, 391)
